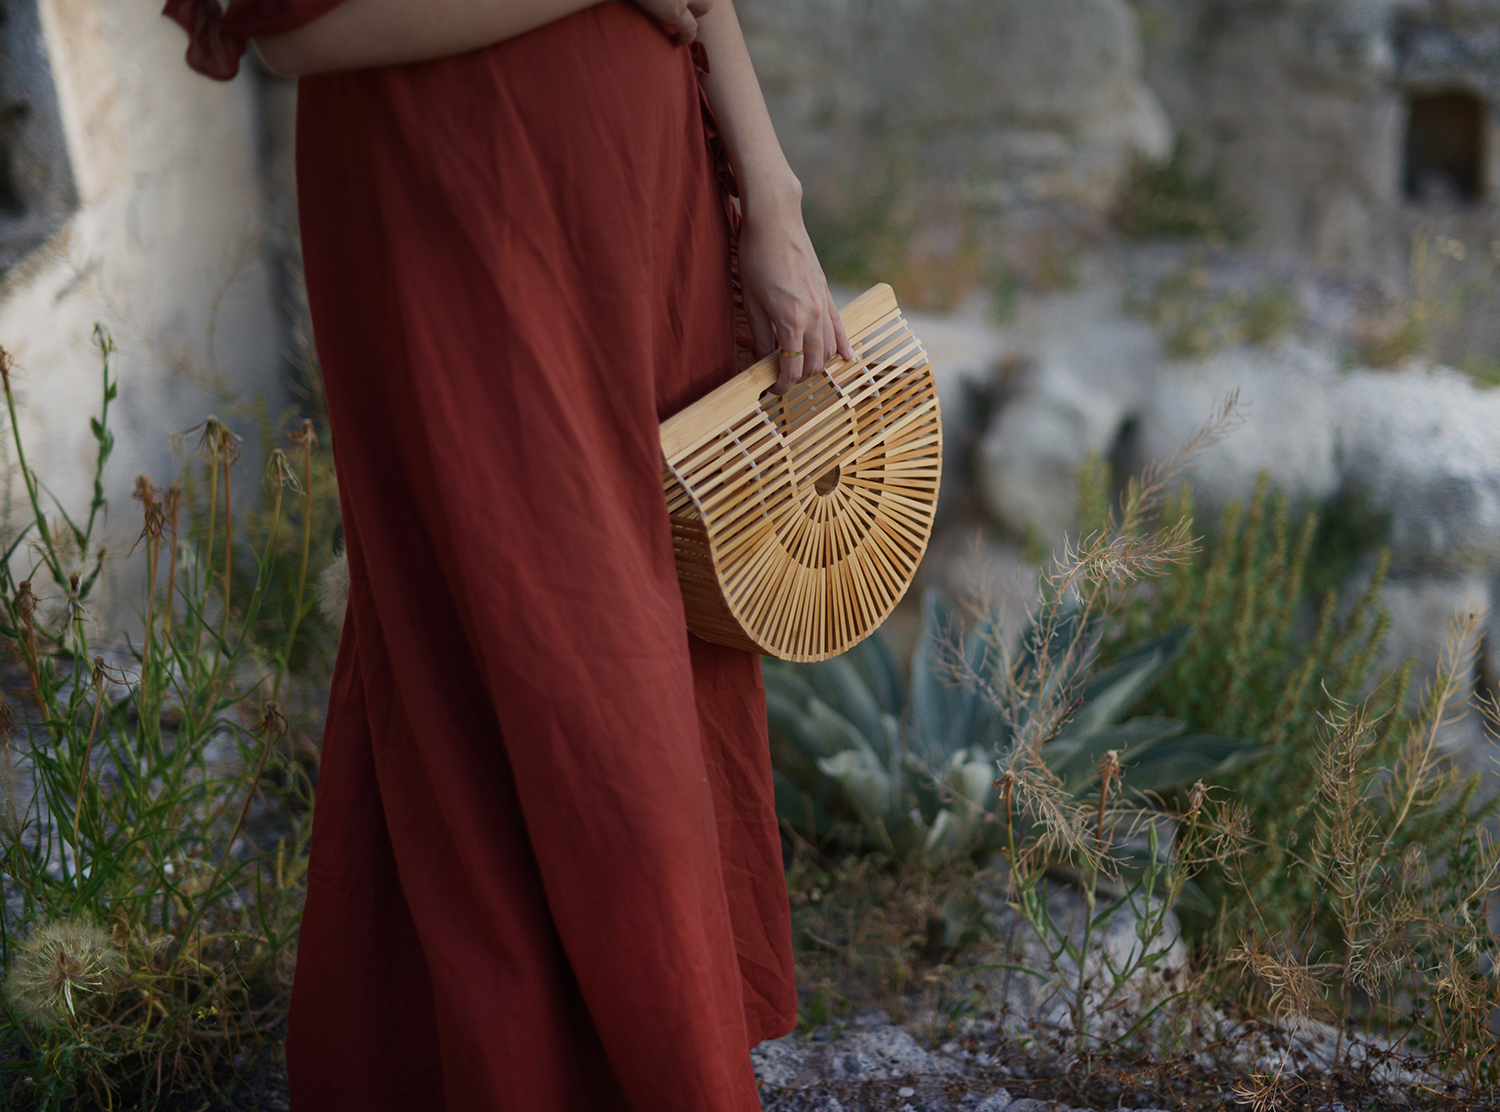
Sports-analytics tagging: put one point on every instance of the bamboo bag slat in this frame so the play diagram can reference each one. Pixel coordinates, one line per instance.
(798, 522)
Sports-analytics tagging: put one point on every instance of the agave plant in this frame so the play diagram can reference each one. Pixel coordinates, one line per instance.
(874, 761)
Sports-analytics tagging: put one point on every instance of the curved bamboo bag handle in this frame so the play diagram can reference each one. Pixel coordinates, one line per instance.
(798, 522)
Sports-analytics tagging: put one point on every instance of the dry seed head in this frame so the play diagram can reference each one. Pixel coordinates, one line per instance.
(333, 589)
(1109, 768)
(1196, 796)
(216, 440)
(273, 722)
(1292, 987)
(153, 520)
(279, 473)
(5, 365)
(303, 437)
(25, 602)
(61, 968)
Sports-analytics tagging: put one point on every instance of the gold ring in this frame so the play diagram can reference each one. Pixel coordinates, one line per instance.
(789, 354)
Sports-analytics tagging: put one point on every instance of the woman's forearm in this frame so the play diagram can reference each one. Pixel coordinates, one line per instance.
(786, 295)
(362, 33)
(761, 170)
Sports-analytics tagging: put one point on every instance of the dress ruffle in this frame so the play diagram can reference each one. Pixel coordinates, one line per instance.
(218, 37)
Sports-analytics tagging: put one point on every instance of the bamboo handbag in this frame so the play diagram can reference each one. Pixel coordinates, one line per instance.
(798, 522)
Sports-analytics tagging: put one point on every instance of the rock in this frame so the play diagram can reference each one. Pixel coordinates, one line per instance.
(1421, 443)
(881, 1052)
(1031, 1104)
(969, 355)
(1090, 367)
(1289, 428)
(1030, 458)
(1424, 614)
(780, 1063)
(1417, 444)
(998, 1101)
(874, 1050)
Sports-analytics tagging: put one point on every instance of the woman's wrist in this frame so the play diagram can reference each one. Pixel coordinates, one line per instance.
(770, 193)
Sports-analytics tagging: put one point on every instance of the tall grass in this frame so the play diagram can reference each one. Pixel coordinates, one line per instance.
(154, 828)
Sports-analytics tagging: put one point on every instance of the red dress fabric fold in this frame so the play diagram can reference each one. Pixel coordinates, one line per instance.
(546, 873)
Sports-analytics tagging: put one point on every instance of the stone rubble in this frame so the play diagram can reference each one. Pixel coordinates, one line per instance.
(878, 1065)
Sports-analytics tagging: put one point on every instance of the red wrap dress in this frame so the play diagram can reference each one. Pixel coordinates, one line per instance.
(546, 874)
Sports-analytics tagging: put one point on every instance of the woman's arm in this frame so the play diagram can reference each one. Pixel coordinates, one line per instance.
(362, 33)
(785, 291)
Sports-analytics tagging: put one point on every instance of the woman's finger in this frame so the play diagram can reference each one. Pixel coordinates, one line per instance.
(680, 16)
(686, 26)
(792, 361)
(840, 337)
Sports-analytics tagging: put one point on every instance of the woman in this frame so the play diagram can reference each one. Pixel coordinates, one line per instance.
(545, 872)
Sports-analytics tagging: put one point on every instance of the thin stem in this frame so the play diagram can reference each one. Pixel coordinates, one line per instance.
(26, 605)
(33, 492)
(83, 776)
(228, 542)
(307, 514)
(273, 730)
(153, 560)
(208, 556)
(173, 509)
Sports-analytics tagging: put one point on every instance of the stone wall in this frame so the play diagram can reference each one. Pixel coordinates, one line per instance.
(1302, 107)
(167, 247)
(953, 110)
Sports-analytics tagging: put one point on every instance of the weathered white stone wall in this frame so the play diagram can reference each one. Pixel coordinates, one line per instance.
(1301, 109)
(166, 249)
(978, 104)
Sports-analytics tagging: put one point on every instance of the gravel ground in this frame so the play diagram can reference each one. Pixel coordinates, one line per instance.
(872, 1065)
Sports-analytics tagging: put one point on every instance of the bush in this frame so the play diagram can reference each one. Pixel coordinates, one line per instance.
(155, 822)
(1246, 670)
(873, 761)
(1165, 198)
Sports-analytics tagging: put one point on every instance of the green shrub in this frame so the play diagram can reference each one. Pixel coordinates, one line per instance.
(873, 761)
(156, 911)
(1195, 319)
(1248, 670)
(1165, 198)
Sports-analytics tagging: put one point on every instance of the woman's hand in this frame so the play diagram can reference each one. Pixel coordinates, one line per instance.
(680, 15)
(790, 308)
(786, 295)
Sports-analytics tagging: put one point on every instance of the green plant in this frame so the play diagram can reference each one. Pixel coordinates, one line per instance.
(875, 762)
(1351, 531)
(1106, 997)
(1246, 670)
(1435, 301)
(157, 905)
(1195, 319)
(1166, 198)
(1411, 948)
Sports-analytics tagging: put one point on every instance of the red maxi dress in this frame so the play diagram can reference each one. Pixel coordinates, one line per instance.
(546, 874)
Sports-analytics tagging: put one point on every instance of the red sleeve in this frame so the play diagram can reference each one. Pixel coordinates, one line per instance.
(217, 36)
